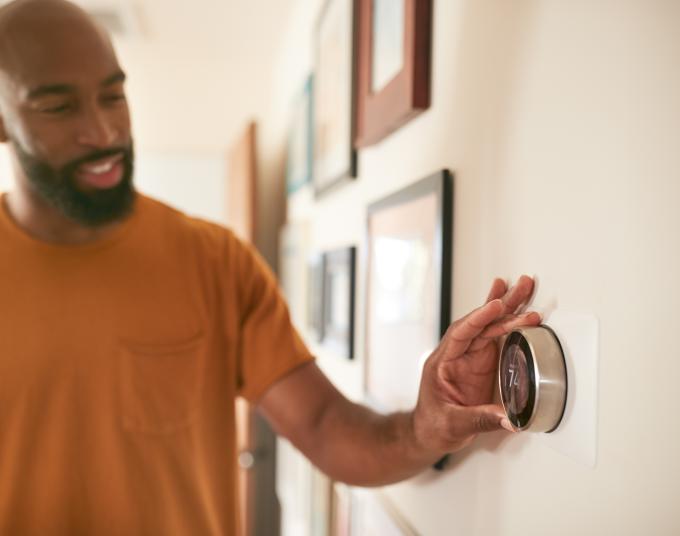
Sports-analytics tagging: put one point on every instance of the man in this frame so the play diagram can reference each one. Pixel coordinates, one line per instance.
(128, 329)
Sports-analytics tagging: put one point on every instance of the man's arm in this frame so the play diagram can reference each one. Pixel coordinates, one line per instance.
(353, 444)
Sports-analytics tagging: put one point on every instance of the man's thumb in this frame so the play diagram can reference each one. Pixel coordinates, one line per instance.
(480, 419)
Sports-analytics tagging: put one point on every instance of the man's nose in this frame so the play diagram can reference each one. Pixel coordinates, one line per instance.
(97, 130)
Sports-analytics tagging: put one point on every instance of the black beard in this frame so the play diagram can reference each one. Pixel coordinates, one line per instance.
(60, 189)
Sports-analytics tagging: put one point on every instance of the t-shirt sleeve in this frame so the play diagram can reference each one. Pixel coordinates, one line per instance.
(269, 345)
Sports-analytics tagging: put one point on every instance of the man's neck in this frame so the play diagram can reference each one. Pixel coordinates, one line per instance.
(44, 222)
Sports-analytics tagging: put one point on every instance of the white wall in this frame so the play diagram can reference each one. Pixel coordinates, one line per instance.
(195, 184)
(561, 122)
(6, 180)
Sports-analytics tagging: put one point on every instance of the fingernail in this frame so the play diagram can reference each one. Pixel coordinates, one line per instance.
(505, 423)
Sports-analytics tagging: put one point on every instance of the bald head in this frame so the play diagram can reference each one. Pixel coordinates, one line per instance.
(41, 11)
(35, 32)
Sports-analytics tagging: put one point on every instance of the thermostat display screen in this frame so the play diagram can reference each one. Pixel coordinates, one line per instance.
(517, 378)
(516, 382)
(532, 379)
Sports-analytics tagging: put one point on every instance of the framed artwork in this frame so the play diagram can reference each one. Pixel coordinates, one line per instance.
(339, 283)
(242, 180)
(321, 498)
(408, 287)
(300, 143)
(241, 217)
(315, 298)
(341, 510)
(372, 514)
(293, 252)
(335, 159)
(293, 483)
(394, 65)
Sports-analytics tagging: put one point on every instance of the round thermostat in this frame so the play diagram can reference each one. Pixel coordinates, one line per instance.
(532, 377)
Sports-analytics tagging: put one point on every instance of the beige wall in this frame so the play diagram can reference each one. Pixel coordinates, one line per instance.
(561, 122)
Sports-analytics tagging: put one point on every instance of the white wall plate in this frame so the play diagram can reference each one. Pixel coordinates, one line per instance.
(576, 436)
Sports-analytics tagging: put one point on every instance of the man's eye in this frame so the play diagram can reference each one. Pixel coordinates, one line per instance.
(114, 98)
(57, 109)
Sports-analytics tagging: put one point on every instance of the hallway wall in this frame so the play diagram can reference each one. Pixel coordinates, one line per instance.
(561, 123)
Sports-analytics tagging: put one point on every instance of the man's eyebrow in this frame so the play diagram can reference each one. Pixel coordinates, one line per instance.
(64, 89)
(116, 78)
(52, 89)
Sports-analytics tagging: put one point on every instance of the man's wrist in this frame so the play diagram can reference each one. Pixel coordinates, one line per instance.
(418, 445)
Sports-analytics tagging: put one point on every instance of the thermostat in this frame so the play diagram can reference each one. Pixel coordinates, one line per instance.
(532, 377)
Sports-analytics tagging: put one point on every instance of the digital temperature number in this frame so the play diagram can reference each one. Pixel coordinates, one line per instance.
(517, 379)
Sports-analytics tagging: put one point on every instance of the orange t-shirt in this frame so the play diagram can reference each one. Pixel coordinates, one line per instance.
(120, 362)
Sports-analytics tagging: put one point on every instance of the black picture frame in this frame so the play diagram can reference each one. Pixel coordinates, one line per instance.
(410, 228)
(333, 112)
(339, 289)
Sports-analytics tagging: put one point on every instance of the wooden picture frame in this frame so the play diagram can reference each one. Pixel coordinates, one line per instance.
(335, 159)
(339, 286)
(408, 309)
(242, 218)
(242, 184)
(392, 89)
(300, 157)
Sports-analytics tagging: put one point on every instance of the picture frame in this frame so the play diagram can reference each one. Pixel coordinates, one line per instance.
(294, 479)
(300, 154)
(372, 513)
(242, 184)
(321, 498)
(293, 265)
(335, 159)
(393, 66)
(341, 512)
(241, 218)
(408, 309)
(315, 297)
(339, 287)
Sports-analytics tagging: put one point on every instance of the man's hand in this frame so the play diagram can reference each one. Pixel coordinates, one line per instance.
(456, 390)
(353, 444)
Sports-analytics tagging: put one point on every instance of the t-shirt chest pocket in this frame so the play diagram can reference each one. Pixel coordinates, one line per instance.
(160, 384)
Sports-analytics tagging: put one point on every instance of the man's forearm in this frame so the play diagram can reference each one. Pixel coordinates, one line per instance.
(356, 445)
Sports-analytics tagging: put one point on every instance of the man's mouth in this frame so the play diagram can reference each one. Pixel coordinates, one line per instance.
(101, 174)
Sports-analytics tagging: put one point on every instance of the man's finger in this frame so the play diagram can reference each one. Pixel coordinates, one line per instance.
(498, 290)
(518, 294)
(506, 324)
(478, 419)
(462, 332)
(503, 326)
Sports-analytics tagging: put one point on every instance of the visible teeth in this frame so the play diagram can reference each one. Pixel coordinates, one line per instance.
(102, 168)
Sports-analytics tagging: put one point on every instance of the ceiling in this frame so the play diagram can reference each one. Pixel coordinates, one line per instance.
(197, 70)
